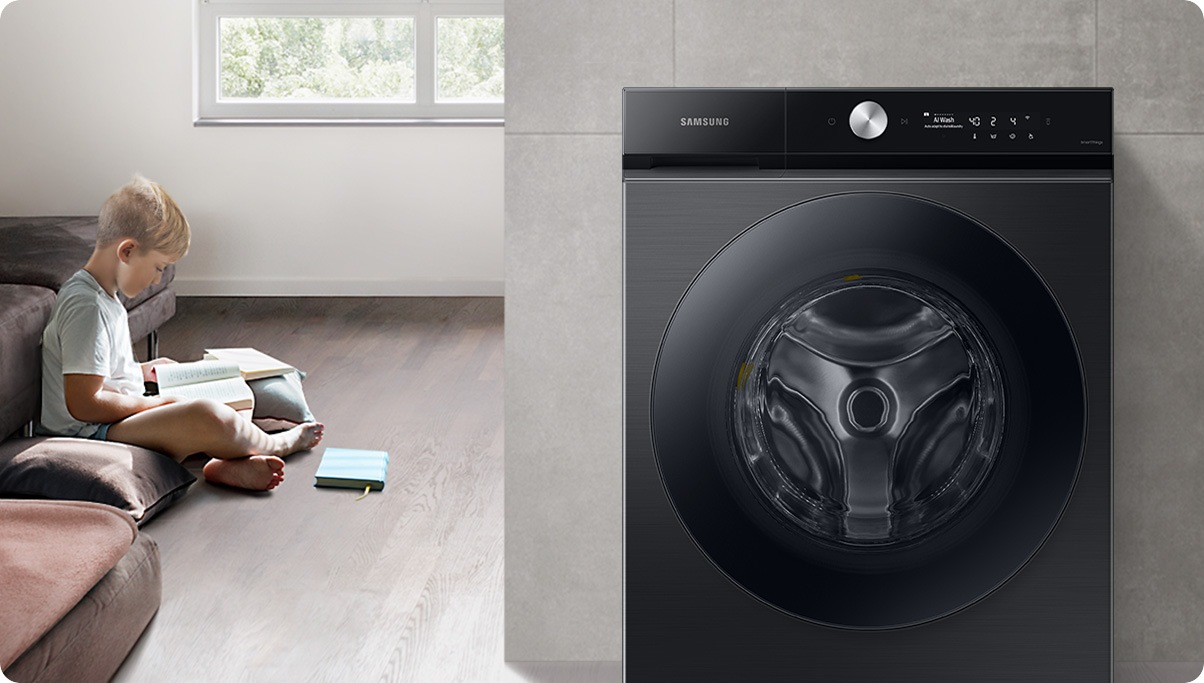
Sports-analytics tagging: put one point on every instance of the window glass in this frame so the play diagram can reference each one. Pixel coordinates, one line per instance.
(330, 62)
(470, 57)
(317, 58)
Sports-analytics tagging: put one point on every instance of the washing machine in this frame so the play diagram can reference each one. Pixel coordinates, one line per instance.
(867, 385)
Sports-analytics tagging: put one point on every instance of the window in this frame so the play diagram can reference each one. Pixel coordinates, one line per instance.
(371, 61)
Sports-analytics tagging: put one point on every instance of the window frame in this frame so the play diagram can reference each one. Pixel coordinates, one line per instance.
(208, 109)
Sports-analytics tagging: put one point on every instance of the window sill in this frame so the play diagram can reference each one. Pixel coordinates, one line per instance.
(479, 122)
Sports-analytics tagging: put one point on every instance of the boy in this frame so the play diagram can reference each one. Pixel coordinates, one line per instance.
(93, 388)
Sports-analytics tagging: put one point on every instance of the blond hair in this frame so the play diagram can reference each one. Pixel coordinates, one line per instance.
(142, 210)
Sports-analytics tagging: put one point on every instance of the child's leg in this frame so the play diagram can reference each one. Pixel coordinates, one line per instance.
(181, 429)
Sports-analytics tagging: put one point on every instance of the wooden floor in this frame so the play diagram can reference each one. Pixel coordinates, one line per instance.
(612, 672)
(306, 584)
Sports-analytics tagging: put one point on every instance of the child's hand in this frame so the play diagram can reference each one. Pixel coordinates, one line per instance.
(148, 369)
(152, 402)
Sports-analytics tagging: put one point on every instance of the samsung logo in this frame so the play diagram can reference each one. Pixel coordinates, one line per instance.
(686, 121)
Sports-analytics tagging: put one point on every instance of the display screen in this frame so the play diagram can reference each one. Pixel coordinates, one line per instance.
(985, 121)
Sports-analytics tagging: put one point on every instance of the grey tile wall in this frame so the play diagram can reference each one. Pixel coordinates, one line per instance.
(563, 380)
(819, 43)
(566, 60)
(1159, 672)
(1152, 52)
(567, 63)
(1159, 404)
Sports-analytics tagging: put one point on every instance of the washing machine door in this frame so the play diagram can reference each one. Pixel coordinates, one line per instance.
(868, 410)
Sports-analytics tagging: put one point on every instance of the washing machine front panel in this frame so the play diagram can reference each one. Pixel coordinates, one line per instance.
(868, 410)
(863, 444)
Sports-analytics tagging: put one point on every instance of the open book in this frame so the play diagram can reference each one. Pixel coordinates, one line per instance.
(214, 380)
(253, 363)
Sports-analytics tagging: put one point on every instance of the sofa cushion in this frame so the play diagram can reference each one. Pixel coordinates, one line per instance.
(137, 480)
(40, 253)
(152, 313)
(47, 250)
(51, 554)
(80, 227)
(280, 402)
(92, 641)
(24, 311)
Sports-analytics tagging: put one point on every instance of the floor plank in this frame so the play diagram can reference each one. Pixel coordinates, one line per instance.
(306, 584)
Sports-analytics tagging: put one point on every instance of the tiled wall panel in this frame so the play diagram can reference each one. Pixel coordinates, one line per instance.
(1159, 390)
(1152, 52)
(567, 63)
(563, 373)
(867, 43)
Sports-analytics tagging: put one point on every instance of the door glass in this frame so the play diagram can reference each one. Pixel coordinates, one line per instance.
(869, 409)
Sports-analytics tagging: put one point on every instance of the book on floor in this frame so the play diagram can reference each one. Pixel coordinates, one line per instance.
(353, 469)
(252, 363)
(214, 380)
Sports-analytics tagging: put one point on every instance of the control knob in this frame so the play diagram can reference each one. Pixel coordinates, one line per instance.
(868, 120)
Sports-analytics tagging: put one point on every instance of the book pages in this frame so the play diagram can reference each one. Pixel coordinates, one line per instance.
(178, 374)
(232, 391)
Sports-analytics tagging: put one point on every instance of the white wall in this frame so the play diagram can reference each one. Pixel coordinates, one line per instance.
(91, 92)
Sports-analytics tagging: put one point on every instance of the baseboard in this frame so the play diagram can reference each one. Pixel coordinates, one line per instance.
(318, 287)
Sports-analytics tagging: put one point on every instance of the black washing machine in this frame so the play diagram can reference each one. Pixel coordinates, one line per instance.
(867, 385)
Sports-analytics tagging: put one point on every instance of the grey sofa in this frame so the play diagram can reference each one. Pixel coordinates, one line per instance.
(36, 256)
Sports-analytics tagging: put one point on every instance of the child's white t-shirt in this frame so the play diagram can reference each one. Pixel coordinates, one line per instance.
(88, 334)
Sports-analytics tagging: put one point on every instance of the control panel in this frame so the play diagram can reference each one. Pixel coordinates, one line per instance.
(845, 127)
(949, 121)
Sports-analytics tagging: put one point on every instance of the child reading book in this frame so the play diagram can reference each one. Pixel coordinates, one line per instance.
(93, 388)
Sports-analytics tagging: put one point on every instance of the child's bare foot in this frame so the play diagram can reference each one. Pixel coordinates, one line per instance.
(257, 472)
(300, 438)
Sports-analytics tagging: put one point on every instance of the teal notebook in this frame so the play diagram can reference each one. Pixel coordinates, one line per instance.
(352, 469)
